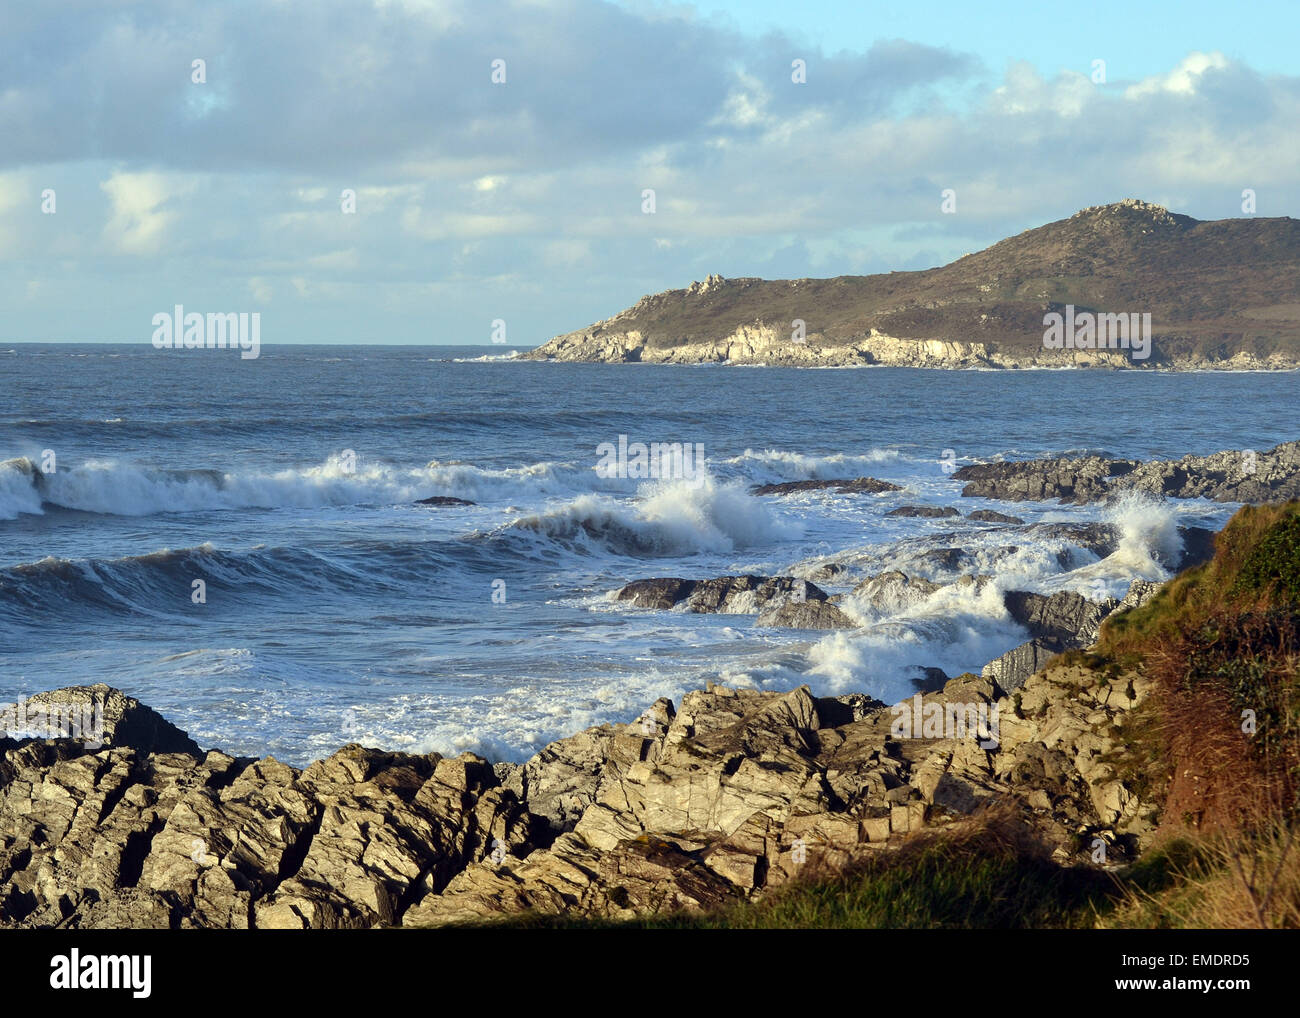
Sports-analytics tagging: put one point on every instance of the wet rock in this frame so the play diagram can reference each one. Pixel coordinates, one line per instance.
(443, 500)
(851, 486)
(1230, 476)
(806, 615)
(660, 594)
(731, 595)
(927, 512)
(1074, 480)
(990, 516)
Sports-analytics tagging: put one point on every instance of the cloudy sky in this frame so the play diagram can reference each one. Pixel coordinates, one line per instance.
(522, 200)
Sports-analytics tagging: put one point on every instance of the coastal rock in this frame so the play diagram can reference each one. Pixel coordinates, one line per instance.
(991, 516)
(731, 795)
(928, 512)
(1065, 618)
(893, 591)
(1230, 476)
(1012, 669)
(729, 595)
(1075, 480)
(660, 594)
(443, 500)
(97, 715)
(806, 615)
(851, 486)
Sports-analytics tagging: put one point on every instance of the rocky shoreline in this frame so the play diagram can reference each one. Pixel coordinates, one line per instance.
(763, 344)
(724, 798)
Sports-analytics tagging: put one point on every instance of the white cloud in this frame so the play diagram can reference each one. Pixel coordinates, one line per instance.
(138, 223)
(1183, 79)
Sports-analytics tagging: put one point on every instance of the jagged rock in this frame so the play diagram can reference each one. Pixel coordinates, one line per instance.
(1101, 539)
(660, 594)
(392, 828)
(928, 512)
(1060, 622)
(806, 615)
(1230, 476)
(1077, 480)
(108, 717)
(1063, 618)
(733, 794)
(1139, 593)
(1010, 670)
(990, 516)
(893, 591)
(843, 486)
(730, 595)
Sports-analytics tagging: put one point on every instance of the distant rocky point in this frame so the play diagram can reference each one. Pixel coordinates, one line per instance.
(1222, 294)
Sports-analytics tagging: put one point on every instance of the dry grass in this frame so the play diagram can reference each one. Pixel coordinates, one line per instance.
(1216, 883)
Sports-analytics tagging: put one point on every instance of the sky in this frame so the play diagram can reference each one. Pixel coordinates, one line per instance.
(353, 172)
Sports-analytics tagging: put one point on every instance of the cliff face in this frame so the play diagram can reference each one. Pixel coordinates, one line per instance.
(1221, 294)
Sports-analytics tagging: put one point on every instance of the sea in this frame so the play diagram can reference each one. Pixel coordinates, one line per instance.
(239, 543)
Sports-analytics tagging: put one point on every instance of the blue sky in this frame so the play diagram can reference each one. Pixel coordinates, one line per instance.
(1135, 38)
(522, 200)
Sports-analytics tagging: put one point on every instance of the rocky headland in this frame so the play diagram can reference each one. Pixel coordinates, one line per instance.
(987, 310)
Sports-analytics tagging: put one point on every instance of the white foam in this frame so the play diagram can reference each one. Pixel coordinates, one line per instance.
(773, 465)
(126, 489)
(666, 518)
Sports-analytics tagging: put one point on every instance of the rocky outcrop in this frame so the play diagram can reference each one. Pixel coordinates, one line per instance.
(777, 600)
(843, 486)
(927, 512)
(1059, 622)
(893, 591)
(992, 516)
(1009, 671)
(733, 794)
(806, 615)
(443, 500)
(1232, 476)
(1065, 617)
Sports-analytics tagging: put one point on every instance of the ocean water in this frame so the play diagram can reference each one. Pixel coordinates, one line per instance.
(337, 609)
